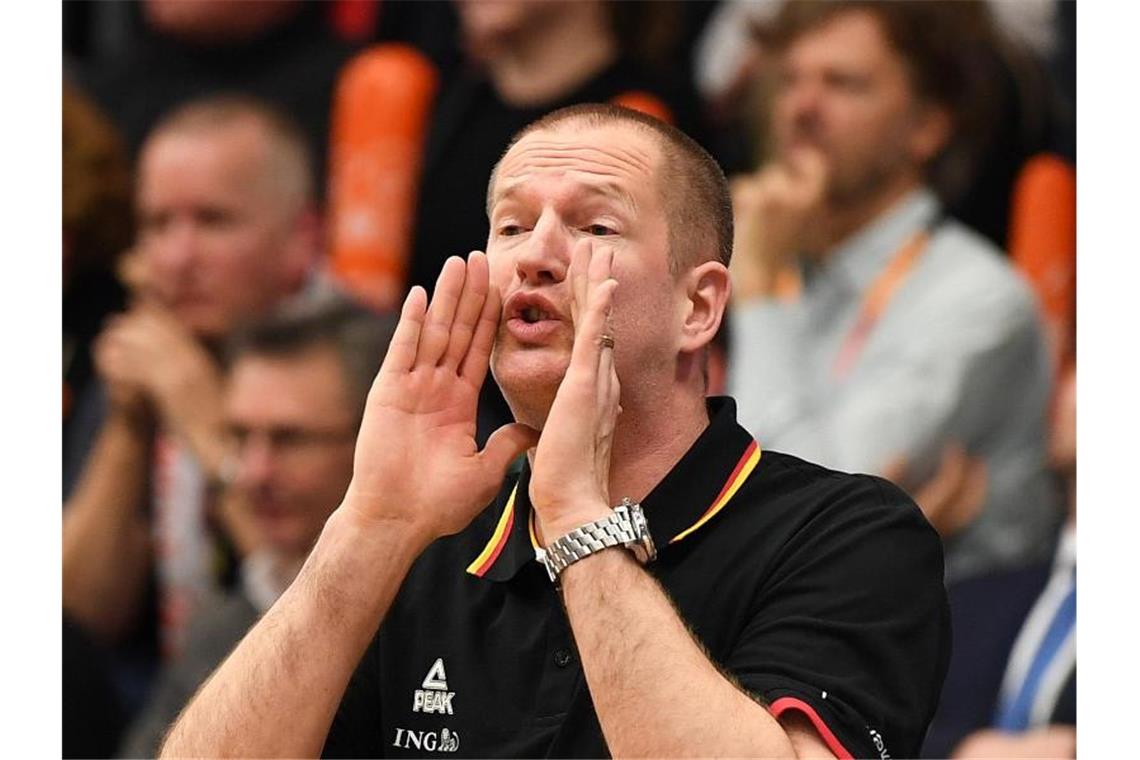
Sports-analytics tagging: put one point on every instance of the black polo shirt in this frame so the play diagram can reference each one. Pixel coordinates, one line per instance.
(817, 591)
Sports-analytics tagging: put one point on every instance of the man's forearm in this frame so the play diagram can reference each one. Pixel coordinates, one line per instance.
(105, 542)
(277, 693)
(655, 691)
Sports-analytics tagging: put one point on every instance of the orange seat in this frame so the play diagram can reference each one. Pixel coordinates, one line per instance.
(1043, 245)
(380, 118)
(645, 102)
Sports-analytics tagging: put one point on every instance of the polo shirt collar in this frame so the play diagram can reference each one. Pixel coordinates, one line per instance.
(860, 259)
(691, 495)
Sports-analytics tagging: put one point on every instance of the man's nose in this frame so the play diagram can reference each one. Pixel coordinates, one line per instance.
(176, 249)
(803, 101)
(545, 257)
(255, 462)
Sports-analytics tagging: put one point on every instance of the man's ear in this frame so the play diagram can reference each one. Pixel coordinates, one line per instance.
(931, 131)
(303, 248)
(707, 288)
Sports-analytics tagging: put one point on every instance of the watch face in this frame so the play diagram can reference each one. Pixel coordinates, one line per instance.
(643, 548)
(637, 517)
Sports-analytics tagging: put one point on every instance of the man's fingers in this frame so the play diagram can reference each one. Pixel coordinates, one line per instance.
(932, 494)
(473, 366)
(580, 259)
(504, 445)
(588, 340)
(973, 492)
(402, 349)
(601, 266)
(895, 472)
(471, 301)
(808, 165)
(441, 312)
(609, 389)
(967, 502)
(940, 491)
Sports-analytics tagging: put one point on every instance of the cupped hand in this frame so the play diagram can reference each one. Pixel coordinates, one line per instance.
(953, 497)
(569, 484)
(776, 212)
(148, 351)
(416, 460)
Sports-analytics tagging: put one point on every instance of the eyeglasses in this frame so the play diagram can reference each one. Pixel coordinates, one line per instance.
(290, 441)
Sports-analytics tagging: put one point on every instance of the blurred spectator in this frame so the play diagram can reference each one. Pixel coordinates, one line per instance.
(1011, 687)
(871, 333)
(1025, 101)
(280, 50)
(96, 229)
(227, 232)
(1024, 104)
(295, 392)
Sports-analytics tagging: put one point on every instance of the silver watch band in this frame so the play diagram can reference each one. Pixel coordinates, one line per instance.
(625, 527)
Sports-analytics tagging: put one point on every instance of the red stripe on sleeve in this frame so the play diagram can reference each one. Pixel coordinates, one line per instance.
(782, 705)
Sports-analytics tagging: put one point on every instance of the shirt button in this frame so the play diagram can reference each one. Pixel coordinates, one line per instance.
(562, 657)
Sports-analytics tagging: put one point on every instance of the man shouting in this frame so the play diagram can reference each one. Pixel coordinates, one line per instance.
(693, 595)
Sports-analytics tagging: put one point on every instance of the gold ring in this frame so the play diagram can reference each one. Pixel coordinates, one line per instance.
(607, 341)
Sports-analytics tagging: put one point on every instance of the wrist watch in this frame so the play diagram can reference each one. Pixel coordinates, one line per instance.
(625, 527)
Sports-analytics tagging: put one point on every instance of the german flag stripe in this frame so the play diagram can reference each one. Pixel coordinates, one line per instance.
(494, 547)
(739, 474)
(533, 534)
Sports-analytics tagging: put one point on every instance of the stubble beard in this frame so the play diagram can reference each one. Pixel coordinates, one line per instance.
(529, 394)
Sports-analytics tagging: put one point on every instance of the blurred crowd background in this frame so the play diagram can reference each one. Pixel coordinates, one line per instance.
(250, 188)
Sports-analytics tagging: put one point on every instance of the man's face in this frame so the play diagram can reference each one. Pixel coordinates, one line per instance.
(218, 243)
(842, 90)
(490, 25)
(294, 423)
(554, 188)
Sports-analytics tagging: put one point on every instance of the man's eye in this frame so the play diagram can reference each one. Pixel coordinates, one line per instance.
(153, 223)
(848, 82)
(216, 218)
(600, 229)
(510, 230)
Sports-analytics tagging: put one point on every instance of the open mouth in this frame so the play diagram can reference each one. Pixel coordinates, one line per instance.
(531, 317)
(533, 314)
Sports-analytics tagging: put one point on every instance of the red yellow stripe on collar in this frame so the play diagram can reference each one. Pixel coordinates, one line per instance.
(481, 564)
(499, 538)
(533, 533)
(740, 473)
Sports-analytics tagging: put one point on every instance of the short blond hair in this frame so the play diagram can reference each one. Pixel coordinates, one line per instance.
(288, 159)
(693, 186)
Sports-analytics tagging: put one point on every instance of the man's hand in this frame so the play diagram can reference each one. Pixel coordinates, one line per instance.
(685, 706)
(1048, 741)
(953, 497)
(569, 483)
(775, 211)
(416, 459)
(417, 475)
(148, 351)
(127, 400)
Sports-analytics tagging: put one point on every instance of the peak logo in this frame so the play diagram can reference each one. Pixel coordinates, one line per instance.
(434, 697)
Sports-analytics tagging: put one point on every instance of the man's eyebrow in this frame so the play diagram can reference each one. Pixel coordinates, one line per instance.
(615, 191)
(605, 188)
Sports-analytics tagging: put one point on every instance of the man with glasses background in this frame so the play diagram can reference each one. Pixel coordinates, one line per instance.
(294, 394)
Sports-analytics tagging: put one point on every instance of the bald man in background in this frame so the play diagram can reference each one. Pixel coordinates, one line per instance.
(228, 231)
